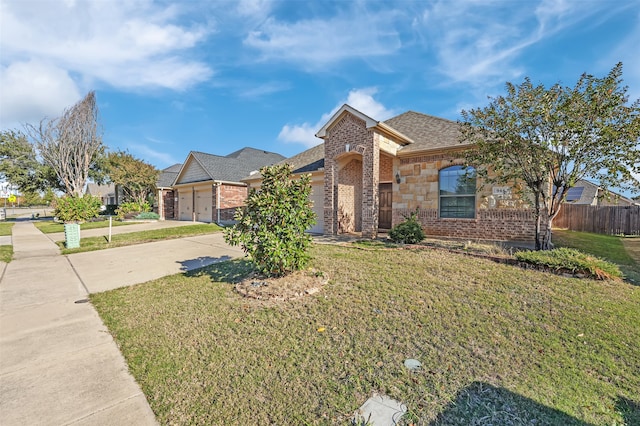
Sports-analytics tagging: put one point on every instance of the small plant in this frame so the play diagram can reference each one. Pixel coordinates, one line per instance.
(271, 228)
(132, 208)
(408, 232)
(74, 209)
(574, 261)
(148, 216)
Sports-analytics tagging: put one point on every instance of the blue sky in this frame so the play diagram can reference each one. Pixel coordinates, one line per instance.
(215, 76)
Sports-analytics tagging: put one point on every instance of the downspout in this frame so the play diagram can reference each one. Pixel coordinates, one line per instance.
(218, 201)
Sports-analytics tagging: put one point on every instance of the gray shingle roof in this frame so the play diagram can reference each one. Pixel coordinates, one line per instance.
(427, 131)
(168, 176)
(237, 165)
(306, 162)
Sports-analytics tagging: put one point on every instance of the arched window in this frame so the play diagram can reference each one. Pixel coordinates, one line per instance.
(457, 186)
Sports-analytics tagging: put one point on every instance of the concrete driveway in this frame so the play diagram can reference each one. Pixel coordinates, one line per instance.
(104, 270)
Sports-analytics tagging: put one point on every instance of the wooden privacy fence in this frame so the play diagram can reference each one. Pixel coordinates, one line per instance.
(611, 220)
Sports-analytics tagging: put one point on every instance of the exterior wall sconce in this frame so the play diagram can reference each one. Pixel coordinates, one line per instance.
(397, 177)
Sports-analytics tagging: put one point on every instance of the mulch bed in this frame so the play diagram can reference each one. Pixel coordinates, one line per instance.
(290, 287)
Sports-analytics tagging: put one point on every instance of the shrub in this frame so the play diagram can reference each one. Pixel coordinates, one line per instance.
(271, 228)
(571, 260)
(132, 207)
(148, 216)
(71, 208)
(408, 232)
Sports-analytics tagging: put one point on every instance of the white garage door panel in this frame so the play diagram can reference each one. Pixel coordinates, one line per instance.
(185, 199)
(203, 205)
(317, 198)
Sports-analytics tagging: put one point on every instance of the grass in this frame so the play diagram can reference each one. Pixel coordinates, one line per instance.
(498, 344)
(5, 228)
(568, 260)
(6, 253)
(54, 227)
(132, 238)
(608, 247)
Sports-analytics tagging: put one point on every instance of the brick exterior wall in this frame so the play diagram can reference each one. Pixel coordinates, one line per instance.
(168, 198)
(350, 196)
(231, 197)
(386, 168)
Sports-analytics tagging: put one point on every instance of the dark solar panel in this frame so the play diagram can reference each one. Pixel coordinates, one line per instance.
(575, 193)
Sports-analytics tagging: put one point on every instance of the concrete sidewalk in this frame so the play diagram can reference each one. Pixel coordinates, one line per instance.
(58, 363)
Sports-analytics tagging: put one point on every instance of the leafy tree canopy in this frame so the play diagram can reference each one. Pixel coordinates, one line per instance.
(136, 177)
(19, 164)
(549, 138)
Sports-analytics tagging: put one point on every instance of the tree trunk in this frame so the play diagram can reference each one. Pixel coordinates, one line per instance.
(546, 239)
(538, 218)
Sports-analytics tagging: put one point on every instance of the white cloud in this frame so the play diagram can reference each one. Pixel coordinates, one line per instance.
(360, 99)
(34, 90)
(127, 45)
(477, 42)
(162, 159)
(315, 43)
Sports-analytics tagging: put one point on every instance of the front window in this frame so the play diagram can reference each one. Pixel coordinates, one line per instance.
(457, 192)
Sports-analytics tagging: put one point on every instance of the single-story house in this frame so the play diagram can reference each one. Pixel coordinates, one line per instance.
(107, 193)
(165, 196)
(588, 193)
(208, 188)
(369, 175)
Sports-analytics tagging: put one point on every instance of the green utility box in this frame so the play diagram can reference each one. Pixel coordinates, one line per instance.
(72, 235)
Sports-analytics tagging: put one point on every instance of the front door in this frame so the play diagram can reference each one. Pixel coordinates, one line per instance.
(384, 214)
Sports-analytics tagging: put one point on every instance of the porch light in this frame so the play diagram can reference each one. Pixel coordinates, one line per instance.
(397, 177)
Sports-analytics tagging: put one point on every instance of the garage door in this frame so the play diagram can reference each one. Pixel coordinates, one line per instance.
(185, 204)
(204, 205)
(317, 199)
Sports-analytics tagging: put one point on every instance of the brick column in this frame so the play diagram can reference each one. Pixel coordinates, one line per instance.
(370, 186)
(330, 196)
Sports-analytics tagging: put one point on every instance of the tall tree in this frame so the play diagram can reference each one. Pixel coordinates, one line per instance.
(69, 144)
(548, 139)
(136, 177)
(19, 164)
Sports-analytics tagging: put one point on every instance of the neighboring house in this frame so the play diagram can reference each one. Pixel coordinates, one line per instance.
(585, 192)
(208, 188)
(369, 175)
(107, 193)
(165, 195)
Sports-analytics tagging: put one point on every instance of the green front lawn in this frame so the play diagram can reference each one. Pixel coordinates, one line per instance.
(6, 253)
(5, 228)
(131, 238)
(498, 344)
(49, 227)
(608, 247)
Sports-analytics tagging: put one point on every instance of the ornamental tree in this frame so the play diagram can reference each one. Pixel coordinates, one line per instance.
(270, 229)
(136, 177)
(70, 144)
(548, 139)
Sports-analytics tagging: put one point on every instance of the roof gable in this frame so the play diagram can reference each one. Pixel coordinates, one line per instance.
(201, 167)
(344, 109)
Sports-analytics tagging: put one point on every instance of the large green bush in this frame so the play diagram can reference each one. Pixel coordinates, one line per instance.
(408, 232)
(271, 228)
(132, 208)
(74, 209)
(571, 260)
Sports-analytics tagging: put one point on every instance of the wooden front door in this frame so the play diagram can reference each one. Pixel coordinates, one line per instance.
(384, 213)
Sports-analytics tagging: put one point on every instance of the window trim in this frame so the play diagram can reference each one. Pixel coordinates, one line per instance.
(472, 196)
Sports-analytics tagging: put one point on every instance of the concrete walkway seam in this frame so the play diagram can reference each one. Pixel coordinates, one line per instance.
(77, 275)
